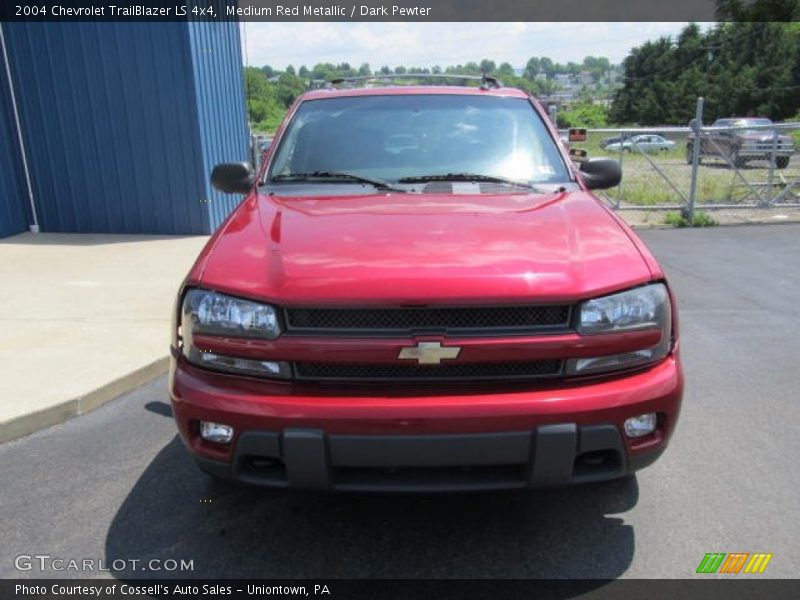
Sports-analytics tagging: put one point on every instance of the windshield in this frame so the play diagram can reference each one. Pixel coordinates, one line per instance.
(748, 122)
(745, 122)
(393, 138)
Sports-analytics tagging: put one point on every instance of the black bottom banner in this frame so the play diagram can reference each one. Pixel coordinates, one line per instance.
(344, 589)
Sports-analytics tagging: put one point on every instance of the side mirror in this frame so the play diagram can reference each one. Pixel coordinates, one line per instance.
(233, 178)
(601, 173)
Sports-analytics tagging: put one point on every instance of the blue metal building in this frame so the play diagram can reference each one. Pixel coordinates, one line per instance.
(13, 195)
(121, 123)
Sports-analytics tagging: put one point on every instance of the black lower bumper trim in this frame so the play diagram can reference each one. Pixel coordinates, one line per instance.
(550, 455)
(215, 468)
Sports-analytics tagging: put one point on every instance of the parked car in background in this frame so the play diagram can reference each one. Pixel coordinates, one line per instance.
(741, 145)
(605, 143)
(611, 140)
(645, 142)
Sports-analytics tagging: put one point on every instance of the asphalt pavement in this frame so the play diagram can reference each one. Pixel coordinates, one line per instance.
(117, 484)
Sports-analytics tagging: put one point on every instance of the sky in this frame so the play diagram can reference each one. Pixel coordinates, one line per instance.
(429, 44)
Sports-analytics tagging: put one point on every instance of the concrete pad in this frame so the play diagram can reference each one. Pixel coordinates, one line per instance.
(83, 319)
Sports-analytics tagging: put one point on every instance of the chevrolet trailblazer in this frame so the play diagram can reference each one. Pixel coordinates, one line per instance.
(420, 292)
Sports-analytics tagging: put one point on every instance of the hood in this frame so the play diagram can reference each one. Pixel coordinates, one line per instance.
(399, 249)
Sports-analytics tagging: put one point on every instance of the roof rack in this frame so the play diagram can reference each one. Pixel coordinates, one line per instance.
(487, 81)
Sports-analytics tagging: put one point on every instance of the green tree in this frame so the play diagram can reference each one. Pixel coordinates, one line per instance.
(547, 67)
(758, 10)
(270, 93)
(267, 101)
(532, 68)
(470, 68)
(740, 69)
(585, 114)
(505, 71)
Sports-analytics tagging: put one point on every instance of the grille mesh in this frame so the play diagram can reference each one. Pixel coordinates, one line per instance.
(411, 319)
(411, 372)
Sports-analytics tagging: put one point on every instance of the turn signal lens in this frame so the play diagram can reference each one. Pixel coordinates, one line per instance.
(245, 366)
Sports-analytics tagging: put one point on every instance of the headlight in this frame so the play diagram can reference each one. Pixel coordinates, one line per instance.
(641, 308)
(646, 307)
(217, 314)
(210, 313)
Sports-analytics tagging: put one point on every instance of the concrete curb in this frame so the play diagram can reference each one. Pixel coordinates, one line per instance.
(717, 226)
(26, 424)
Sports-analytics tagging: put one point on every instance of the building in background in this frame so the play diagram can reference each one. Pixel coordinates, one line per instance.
(121, 125)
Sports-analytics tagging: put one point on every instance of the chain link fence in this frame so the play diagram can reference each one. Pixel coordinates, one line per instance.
(737, 163)
(259, 143)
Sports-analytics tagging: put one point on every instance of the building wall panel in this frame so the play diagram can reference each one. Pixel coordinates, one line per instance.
(13, 193)
(123, 122)
(219, 89)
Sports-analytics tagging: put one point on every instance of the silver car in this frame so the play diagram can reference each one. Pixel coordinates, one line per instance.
(646, 143)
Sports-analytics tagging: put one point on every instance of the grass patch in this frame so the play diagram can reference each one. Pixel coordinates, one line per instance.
(642, 185)
(678, 219)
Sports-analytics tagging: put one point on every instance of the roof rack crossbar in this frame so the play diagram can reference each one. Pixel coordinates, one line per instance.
(487, 81)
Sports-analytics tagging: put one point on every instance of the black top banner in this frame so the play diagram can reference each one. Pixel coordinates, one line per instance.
(360, 10)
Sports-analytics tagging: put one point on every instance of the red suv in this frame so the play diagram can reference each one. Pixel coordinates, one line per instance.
(420, 292)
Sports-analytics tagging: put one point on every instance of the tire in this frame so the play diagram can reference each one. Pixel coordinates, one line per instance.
(782, 161)
(689, 155)
(737, 161)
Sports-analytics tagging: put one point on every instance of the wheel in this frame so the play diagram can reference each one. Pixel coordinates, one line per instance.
(738, 161)
(690, 155)
(781, 162)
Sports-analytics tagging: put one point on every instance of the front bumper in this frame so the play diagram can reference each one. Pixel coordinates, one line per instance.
(762, 154)
(403, 440)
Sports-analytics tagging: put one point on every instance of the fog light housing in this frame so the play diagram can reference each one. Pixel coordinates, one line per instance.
(642, 425)
(216, 432)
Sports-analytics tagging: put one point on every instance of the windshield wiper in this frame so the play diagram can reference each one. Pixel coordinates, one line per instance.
(477, 177)
(338, 176)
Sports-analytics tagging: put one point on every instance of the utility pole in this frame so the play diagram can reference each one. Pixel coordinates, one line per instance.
(696, 125)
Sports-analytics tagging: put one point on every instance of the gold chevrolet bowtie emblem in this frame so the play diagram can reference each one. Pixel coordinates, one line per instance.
(429, 353)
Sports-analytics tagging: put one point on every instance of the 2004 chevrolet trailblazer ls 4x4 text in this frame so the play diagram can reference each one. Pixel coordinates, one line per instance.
(420, 292)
